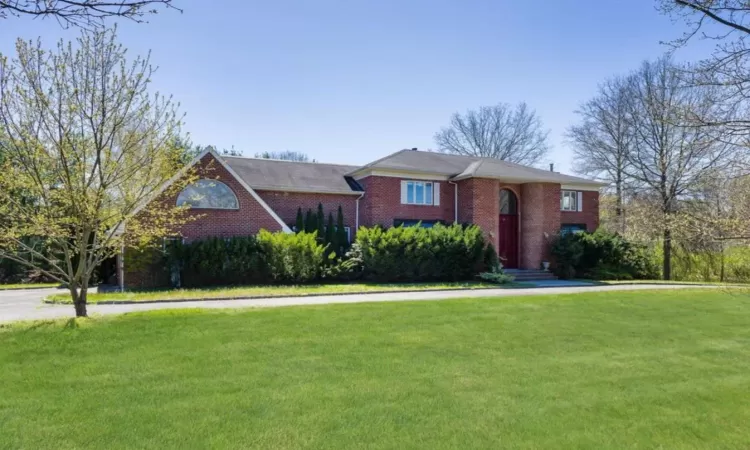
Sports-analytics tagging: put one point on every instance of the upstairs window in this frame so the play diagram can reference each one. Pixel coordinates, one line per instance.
(420, 193)
(208, 194)
(571, 201)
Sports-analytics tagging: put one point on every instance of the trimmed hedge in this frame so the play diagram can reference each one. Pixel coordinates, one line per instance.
(401, 254)
(416, 254)
(263, 259)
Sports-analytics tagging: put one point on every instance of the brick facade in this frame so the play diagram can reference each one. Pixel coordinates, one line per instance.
(285, 204)
(540, 221)
(539, 212)
(590, 214)
(381, 204)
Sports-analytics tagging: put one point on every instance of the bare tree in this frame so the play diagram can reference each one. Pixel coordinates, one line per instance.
(84, 13)
(669, 156)
(84, 146)
(726, 23)
(501, 131)
(603, 139)
(286, 155)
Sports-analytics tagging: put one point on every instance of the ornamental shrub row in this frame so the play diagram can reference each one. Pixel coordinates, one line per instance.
(401, 254)
(415, 254)
(263, 259)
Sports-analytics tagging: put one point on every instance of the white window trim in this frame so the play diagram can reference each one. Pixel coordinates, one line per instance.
(435, 188)
(577, 197)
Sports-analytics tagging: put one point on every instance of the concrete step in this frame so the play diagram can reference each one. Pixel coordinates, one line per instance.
(530, 275)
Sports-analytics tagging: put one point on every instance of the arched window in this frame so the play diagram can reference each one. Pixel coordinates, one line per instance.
(208, 194)
(508, 202)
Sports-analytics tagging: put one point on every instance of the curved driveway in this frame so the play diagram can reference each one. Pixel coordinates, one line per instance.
(27, 304)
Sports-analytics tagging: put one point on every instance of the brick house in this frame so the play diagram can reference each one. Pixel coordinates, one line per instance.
(517, 207)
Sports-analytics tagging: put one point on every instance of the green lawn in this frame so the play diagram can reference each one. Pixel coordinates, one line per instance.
(267, 291)
(648, 369)
(28, 286)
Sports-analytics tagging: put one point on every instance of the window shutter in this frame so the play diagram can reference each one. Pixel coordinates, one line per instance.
(580, 201)
(403, 192)
(436, 194)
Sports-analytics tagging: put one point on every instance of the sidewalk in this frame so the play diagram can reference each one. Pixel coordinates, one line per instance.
(27, 305)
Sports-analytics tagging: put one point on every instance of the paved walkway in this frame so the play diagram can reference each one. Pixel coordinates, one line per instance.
(27, 304)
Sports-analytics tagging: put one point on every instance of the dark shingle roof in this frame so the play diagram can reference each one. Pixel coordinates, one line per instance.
(459, 167)
(271, 174)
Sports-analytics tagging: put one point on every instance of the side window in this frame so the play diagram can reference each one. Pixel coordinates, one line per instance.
(571, 201)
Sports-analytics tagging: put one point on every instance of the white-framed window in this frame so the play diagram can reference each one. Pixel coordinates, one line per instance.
(348, 234)
(571, 201)
(208, 194)
(420, 193)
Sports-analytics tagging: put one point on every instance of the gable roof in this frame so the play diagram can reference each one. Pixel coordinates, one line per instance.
(278, 175)
(458, 167)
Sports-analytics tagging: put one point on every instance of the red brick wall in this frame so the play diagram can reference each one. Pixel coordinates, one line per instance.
(485, 209)
(382, 202)
(250, 218)
(589, 215)
(540, 221)
(465, 202)
(285, 204)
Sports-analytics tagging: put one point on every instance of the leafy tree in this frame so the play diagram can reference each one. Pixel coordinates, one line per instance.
(299, 224)
(500, 131)
(82, 13)
(320, 223)
(341, 237)
(87, 145)
(285, 155)
(311, 222)
(331, 234)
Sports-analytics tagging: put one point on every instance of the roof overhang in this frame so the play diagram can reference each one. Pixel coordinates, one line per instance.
(583, 185)
(398, 173)
(305, 191)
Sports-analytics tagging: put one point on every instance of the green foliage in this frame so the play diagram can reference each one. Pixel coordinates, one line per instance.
(728, 264)
(330, 235)
(218, 261)
(292, 258)
(440, 253)
(300, 222)
(342, 242)
(496, 275)
(320, 223)
(491, 261)
(602, 255)
(267, 258)
(310, 222)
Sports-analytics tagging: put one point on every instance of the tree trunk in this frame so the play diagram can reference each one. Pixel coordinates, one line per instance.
(79, 301)
(667, 267)
(618, 207)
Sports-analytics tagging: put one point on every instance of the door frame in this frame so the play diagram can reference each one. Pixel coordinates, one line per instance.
(518, 214)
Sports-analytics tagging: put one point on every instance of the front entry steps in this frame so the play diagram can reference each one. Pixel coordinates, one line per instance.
(530, 275)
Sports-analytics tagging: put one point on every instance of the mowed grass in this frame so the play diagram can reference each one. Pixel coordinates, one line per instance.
(640, 369)
(268, 291)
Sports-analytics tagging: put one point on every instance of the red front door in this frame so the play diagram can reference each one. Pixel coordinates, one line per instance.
(507, 245)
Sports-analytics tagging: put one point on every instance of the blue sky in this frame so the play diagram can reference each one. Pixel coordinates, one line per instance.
(351, 81)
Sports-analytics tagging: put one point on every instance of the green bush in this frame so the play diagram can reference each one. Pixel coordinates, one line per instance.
(267, 258)
(292, 258)
(416, 254)
(603, 256)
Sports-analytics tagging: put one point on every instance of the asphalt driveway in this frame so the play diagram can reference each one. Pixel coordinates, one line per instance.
(27, 304)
